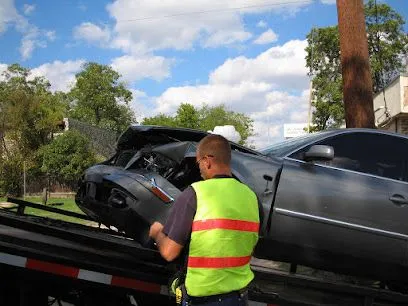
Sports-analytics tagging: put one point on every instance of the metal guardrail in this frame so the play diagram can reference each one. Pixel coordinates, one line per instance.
(23, 204)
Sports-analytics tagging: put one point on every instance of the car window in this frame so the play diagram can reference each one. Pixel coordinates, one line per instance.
(377, 154)
(288, 145)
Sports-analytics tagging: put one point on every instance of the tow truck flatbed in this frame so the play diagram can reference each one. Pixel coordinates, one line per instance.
(42, 258)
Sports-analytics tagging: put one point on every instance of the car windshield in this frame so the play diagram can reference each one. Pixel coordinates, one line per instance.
(281, 149)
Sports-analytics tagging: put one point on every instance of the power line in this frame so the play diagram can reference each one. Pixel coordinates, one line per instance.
(216, 10)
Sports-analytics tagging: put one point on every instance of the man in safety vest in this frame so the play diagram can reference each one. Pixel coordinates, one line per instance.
(219, 219)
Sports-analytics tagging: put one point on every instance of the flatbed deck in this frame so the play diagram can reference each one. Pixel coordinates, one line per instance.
(59, 253)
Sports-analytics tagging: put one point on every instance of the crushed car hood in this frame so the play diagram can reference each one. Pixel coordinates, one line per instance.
(138, 136)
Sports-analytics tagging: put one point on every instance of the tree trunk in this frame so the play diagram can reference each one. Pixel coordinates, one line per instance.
(357, 83)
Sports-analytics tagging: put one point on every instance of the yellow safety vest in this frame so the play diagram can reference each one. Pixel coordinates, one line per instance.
(224, 234)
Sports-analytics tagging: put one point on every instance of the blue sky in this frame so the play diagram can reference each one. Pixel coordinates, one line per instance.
(248, 55)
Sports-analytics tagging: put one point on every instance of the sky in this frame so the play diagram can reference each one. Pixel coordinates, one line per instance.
(246, 54)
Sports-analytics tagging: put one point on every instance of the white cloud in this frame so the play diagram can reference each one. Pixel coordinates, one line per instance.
(269, 109)
(92, 33)
(281, 104)
(146, 26)
(281, 66)
(28, 9)
(50, 35)
(266, 37)
(32, 36)
(8, 14)
(3, 67)
(281, 108)
(226, 38)
(228, 131)
(244, 97)
(138, 94)
(141, 105)
(328, 1)
(26, 48)
(261, 24)
(31, 40)
(60, 74)
(137, 68)
(266, 133)
(270, 88)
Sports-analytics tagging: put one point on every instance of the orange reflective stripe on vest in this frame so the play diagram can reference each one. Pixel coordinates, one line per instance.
(217, 262)
(228, 224)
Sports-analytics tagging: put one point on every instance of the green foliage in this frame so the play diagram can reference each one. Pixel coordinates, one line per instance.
(387, 41)
(205, 118)
(99, 98)
(66, 157)
(30, 112)
(323, 58)
(328, 103)
(211, 117)
(160, 119)
(187, 116)
(29, 115)
(11, 175)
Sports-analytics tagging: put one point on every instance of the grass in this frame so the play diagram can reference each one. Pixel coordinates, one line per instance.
(68, 204)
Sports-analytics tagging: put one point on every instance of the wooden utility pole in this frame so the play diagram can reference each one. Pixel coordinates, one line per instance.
(357, 83)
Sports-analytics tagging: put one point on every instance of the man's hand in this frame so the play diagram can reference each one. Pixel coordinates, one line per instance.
(168, 248)
(155, 229)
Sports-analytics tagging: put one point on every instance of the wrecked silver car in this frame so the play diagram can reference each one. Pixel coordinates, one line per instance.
(335, 200)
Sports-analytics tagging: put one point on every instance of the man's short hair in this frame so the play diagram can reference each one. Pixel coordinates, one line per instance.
(216, 146)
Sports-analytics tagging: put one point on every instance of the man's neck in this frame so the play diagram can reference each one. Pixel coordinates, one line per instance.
(222, 176)
(221, 173)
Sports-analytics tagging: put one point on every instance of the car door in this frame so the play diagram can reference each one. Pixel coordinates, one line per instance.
(353, 205)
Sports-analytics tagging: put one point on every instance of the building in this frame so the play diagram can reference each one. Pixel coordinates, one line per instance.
(391, 106)
(291, 130)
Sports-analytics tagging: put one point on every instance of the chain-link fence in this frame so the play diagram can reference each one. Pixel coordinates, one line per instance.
(102, 141)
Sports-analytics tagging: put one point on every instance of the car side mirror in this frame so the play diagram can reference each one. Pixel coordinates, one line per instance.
(319, 152)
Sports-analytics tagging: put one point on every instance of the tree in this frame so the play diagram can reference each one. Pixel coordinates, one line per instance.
(187, 116)
(211, 117)
(11, 175)
(205, 119)
(29, 116)
(387, 44)
(30, 112)
(160, 119)
(66, 157)
(99, 98)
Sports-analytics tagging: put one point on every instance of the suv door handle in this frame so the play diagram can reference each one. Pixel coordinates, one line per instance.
(399, 200)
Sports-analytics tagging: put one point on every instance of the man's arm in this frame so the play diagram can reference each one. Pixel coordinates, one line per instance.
(175, 234)
(169, 249)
